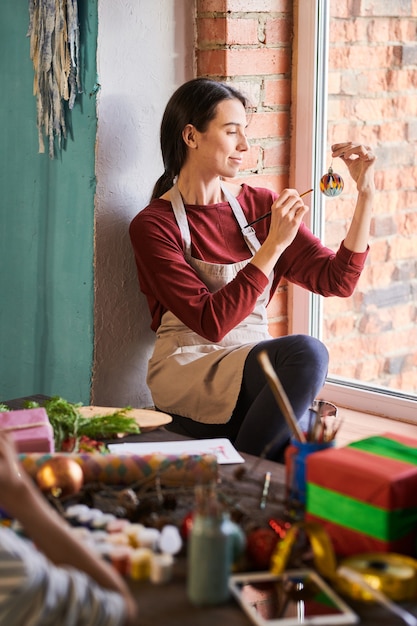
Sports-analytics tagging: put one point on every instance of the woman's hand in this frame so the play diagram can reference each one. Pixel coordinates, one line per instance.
(360, 161)
(10, 472)
(12, 478)
(287, 213)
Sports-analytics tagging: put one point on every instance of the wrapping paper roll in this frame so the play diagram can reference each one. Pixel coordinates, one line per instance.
(126, 469)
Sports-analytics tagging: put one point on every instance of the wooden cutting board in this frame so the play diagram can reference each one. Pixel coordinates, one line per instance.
(146, 419)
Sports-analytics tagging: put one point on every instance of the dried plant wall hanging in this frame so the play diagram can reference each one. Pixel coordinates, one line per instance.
(54, 50)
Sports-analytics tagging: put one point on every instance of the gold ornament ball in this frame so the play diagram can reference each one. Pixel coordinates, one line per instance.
(60, 476)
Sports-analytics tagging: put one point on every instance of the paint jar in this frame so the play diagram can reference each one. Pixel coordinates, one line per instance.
(210, 553)
(295, 468)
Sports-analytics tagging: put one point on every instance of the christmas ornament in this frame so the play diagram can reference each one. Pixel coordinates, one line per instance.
(60, 476)
(186, 525)
(260, 545)
(331, 184)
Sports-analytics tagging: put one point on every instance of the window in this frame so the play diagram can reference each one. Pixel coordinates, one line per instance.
(357, 79)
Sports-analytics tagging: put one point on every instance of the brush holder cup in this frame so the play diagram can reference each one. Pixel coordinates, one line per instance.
(295, 468)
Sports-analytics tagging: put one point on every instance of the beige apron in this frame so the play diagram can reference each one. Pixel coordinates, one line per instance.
(189, 375)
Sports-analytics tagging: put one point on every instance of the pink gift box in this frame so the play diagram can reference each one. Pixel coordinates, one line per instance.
(31, 429)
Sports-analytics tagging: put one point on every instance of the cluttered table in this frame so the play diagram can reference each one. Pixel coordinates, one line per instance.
(254, 493)
(168, 605)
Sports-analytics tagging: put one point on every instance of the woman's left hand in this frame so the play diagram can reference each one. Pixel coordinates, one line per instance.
(12, 478)
(360, 161)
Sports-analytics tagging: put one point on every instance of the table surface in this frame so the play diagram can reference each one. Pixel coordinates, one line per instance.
(168, 605)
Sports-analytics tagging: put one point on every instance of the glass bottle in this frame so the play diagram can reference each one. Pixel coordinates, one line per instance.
(210, 550)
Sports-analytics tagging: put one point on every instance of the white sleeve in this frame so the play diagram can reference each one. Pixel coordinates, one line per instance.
(34, 592)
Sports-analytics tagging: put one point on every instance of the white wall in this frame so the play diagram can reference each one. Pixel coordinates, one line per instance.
(145, 50)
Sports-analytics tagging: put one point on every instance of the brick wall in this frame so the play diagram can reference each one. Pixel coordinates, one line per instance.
(372, 336)
(250, 43)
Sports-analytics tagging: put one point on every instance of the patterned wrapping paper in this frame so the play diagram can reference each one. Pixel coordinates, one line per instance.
(365, 495)
(126, 469)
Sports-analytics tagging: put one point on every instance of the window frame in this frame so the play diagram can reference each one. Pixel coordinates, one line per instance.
(311, 19)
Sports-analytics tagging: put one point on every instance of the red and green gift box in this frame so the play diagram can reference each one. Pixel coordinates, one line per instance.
(365, 495)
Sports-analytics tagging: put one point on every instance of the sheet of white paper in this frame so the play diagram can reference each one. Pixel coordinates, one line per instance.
(222, 448)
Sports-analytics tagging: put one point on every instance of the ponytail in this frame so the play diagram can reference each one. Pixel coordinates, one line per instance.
(162, 185)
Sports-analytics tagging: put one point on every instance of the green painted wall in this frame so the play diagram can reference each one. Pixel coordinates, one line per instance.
(46, 226)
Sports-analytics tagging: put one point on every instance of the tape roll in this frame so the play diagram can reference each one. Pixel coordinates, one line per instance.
(395, 575)
(392, 574)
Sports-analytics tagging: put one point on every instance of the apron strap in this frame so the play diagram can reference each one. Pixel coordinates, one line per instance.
(181, 217)
(248, 232)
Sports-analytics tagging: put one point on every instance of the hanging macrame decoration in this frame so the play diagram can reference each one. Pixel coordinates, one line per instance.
(54, 50)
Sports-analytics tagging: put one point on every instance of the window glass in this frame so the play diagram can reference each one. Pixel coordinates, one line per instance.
(363, 62)
(372, 95)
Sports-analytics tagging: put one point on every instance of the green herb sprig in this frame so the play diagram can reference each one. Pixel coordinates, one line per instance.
(66, 421)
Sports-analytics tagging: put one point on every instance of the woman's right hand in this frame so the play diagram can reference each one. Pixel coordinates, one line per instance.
(287, 213)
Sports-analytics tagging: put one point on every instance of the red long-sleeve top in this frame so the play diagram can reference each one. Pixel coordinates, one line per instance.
(170, 283)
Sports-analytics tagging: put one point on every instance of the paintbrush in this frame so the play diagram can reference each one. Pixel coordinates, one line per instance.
(280, 396)
(262, 217)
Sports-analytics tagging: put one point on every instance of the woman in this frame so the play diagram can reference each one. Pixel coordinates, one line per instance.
(208, 278)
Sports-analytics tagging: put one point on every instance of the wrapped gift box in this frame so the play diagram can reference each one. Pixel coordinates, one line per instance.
(365, 495)
(31, 429)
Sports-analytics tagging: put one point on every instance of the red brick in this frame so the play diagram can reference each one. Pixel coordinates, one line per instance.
(277, 92)
(211, 30)
(278, 31)
(368, 370)
(242, 62)
(209, 6)
(259, 6)
(340, 326)
(341, 8)
(379, 251)
(348, 31)
(276, 182)
(267, 124)
(277, 308)
(407, 224)
(372, 8)
(218, 30)
(277, 154)
(252, 157)
(361, 57)
(378, 274)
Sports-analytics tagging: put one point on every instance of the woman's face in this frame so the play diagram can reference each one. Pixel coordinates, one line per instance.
(219, 149)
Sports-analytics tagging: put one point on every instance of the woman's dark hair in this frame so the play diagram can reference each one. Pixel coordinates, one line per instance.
(195, 103)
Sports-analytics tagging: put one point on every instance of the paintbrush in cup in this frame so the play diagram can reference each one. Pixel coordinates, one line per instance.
(280, 396)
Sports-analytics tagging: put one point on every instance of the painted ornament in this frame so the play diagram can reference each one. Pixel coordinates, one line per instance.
(331, 184)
